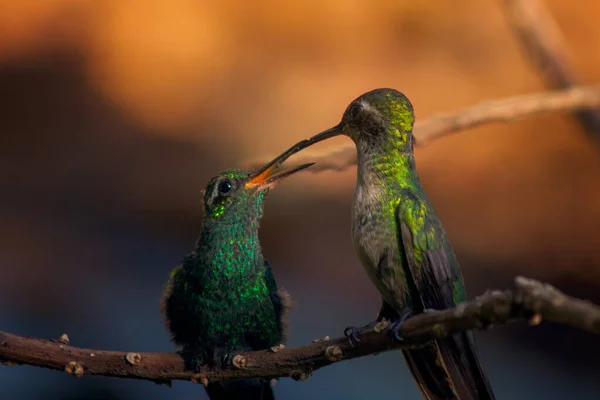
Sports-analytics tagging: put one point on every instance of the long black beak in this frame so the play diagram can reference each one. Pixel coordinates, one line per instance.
(329, 133)
(301, 145)
(266, 175)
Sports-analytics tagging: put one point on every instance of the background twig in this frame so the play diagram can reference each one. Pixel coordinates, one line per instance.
(542, 42)
(503, 110)
(530, 300)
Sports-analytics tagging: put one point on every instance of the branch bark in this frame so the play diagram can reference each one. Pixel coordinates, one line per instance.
(542, 42)
(503, 110)
(529, 300)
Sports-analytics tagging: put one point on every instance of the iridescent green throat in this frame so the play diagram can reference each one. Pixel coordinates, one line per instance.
(229, 241)
(389, 162)
(388, 170)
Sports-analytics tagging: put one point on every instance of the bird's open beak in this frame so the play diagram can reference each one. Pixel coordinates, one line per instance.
(267, 175)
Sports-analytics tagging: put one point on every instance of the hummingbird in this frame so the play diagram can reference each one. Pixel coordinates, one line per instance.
(224, 297)
(402, 245)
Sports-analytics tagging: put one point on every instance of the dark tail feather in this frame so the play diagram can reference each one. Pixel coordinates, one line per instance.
(449, 368)
(430, 377)
(243, 389)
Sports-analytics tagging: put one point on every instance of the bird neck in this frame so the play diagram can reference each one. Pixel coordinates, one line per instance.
(230, 245)
(383, 179)
(392, 169)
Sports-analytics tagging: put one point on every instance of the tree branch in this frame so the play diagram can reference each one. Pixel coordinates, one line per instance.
(542, 42)
(530, 300)
(503, 110)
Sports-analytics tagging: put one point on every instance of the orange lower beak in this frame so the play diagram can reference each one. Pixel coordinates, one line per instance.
(267, 175)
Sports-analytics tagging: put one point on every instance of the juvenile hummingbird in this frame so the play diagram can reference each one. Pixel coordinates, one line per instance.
(402, 245)
(223, 297)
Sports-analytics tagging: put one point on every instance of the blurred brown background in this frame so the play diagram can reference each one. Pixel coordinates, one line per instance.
(114, 114)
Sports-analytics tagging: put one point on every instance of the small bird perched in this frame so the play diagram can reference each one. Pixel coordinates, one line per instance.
(402, 244)
(223, 297)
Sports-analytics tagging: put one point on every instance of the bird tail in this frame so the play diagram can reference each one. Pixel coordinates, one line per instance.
(449, 368)
(242, 389)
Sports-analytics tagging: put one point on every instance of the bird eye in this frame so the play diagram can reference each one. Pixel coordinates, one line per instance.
(225, 187)
(355, 110)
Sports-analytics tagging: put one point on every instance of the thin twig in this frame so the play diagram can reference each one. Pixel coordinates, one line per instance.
(544, 45)
(530, 300)
(503, 110)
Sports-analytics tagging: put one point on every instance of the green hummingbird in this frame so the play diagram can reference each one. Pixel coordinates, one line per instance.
(223, 297)
(402, 244)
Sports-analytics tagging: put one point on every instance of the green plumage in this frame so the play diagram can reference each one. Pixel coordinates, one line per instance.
(402, 245)
(223, 297)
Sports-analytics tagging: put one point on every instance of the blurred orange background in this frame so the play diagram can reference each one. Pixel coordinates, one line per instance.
(115, 114)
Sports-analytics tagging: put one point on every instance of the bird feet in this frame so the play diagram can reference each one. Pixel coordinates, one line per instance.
(353, 332)
(222, 358)
(193, 357)
(394, 331)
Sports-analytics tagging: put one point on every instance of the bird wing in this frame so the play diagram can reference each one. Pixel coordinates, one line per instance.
(281, 301)
(436, 277)
(430, 259)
